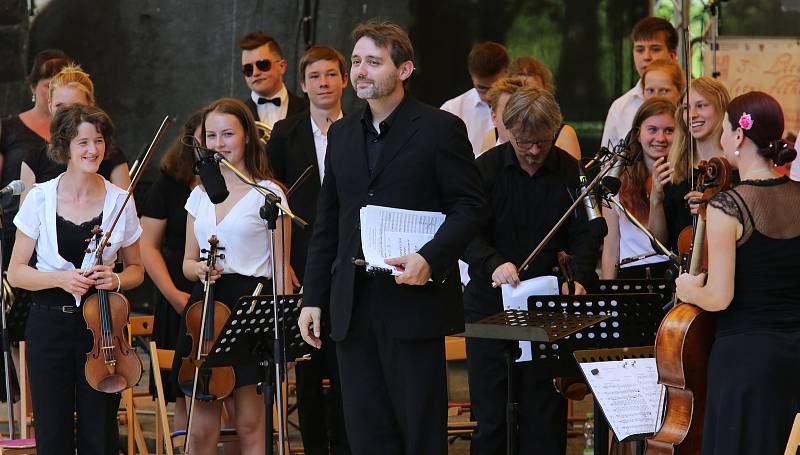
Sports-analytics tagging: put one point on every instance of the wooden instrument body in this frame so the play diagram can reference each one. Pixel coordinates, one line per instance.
(112, 365)
(212, 382)
(683, 344)
(204, 323)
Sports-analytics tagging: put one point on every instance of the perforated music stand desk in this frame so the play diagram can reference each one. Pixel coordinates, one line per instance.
(248, 339)
(522, 325)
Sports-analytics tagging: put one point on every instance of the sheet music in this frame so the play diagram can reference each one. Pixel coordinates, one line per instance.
(388, 232)
(628, 392)
(516, 298)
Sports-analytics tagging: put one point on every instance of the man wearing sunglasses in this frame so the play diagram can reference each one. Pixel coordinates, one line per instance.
(263, 67)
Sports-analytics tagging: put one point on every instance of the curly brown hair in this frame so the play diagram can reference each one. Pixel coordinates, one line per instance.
(64, 128)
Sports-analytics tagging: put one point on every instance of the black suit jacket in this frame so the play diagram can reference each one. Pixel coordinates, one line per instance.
(426, 164)
(291, 151)
(296, 105)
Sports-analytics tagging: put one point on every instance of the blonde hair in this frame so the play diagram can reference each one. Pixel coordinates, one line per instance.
(505, 86)
(73, 76)
(715, 92)
(671, 68)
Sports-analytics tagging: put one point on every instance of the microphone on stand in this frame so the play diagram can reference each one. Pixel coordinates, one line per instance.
(597, 224)
(207, 167)
(598, 158)
(622, 158)
(14, 188)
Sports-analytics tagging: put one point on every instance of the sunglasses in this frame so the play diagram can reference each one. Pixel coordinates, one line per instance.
(262, 65)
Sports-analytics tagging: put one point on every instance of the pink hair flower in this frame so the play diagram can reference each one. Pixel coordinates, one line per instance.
(745, 121)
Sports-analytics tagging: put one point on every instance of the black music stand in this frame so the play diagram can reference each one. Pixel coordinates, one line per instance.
(248, 339)
(520, 325)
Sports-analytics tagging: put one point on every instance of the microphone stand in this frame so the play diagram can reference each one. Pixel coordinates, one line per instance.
(270, 212)
(6, 342)
(654, 242)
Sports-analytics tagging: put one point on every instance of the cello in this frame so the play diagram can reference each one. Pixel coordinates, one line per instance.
(112, 365)
(683, 343)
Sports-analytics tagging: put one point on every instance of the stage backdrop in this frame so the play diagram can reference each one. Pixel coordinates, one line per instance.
(771, 65)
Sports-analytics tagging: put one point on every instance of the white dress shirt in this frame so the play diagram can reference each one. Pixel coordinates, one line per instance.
(321, 145)
(476, 114)
(37, 219)
(270, 113)
(620, 115)
(243, 233)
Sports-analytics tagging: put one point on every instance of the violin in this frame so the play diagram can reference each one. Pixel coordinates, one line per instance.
(204, 322)
(112, 365)
(686, 236)
(683, 342)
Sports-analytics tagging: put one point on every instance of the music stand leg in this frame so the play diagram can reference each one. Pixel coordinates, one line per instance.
(267, 391)
(600, 430)
(511, 404)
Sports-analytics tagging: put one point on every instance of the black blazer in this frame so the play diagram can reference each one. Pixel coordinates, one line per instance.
(296, 105)
(291, 151)
(426, 164)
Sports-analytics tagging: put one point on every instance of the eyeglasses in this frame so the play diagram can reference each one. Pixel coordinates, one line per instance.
(262, 65)
(527, 145)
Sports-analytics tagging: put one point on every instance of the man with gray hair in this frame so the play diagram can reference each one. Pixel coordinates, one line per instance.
(529, 183)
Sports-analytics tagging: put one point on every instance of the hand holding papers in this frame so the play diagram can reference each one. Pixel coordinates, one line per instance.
(516, 298)
(389, 233)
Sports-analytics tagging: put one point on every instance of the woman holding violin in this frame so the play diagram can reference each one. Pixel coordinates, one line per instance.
(54, 221)
(753, 232)
(653, 126)
(228, 127)
(698, 121)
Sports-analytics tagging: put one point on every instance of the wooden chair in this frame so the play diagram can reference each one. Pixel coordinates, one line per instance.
(161, 360)
(794, 438)
(26, 444)
(456, 349)
(140, 326)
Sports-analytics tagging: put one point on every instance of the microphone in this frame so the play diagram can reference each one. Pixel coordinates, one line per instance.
(210, 176)
(597, 158)
(14, 188)
(621, 159)
(597, 224)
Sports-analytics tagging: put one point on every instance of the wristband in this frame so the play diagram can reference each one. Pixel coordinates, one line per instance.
(119, 282)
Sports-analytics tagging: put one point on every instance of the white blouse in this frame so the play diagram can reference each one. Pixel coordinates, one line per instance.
(633, 242)
(37, 219)
(243, 233)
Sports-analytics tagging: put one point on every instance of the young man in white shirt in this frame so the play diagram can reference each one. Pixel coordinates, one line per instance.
(297, 143)
(263, 67)
(487, 62)
(653, 39)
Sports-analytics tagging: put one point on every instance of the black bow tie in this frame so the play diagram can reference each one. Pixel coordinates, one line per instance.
(275, 101)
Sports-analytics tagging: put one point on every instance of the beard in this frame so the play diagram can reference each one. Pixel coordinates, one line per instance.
(378, 88)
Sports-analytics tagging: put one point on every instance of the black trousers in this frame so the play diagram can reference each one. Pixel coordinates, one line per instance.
(394, 390)
(56, 352)
(542, 412)
(320, 414)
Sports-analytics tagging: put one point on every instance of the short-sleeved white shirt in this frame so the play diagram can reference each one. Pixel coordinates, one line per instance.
(37, 219)
(243, 233)
(794, 172)
(620, 115)
(476, 114)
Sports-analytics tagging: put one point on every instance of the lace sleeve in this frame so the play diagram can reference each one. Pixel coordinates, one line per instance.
(727, 203)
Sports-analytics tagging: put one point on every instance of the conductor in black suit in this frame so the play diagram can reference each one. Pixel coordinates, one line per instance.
(263, 67)
(389, 331)
(296, 148)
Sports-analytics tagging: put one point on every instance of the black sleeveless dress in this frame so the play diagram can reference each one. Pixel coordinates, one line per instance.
(754, 368)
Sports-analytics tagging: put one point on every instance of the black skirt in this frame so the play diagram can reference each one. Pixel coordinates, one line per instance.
(227, 290)
(752, 393)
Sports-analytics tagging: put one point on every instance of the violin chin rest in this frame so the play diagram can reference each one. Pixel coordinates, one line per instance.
(112, 384)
